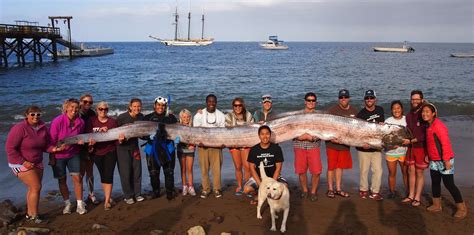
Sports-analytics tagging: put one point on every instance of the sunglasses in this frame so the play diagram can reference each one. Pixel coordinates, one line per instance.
(35, 114)
(238, 105)
(343, 97)
(103, 109)
(310, 100)
(87, 102)
(369, 98)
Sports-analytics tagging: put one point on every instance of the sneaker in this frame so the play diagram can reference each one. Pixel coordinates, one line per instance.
(129, 201)
(139, 198)
(376, 196)
(93, 199)
(67, 207)
(35, 219)
(217, 194)
(191, 191)
(204, 194)
(363, 194)
(81, 208)
(185, 190)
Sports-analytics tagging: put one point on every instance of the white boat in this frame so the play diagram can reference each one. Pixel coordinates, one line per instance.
(273, 44)
(404, 49)
(186, 41)
(463, 55)
(86, 52)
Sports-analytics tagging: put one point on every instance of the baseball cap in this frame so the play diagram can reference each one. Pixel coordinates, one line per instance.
(369, 93)
(344, 92)
(266, 98)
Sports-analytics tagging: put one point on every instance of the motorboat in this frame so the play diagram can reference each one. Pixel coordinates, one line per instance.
(86, 51)
(404, 49)
(463, 55)
(273, 44)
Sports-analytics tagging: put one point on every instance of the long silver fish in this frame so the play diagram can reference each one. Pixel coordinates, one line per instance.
(349, 131)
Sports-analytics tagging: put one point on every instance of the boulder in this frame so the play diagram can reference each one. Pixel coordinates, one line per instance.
(196, 230)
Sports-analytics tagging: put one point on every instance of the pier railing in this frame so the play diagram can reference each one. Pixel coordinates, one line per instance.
(27, 31)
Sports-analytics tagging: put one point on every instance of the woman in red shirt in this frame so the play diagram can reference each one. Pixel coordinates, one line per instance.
(441, 158)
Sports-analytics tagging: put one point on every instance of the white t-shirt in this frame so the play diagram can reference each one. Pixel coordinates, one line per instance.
(400, 151)
(206, 119)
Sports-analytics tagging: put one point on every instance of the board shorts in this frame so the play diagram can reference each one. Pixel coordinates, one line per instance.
(339, 159)
(395, 158)
(439, 167)
(416, 156)
(308, 159)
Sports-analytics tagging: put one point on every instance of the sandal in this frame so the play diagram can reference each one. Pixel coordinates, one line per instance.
(342, 193)
(407, 200)
(415, 203)
(239, 193)
(254, 202)
(304, 195)
(313, 197)
(330, 194)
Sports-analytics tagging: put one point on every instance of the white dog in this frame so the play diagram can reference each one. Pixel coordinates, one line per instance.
(278, 197)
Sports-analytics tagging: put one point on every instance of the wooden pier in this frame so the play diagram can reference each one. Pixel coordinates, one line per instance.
(26, 40)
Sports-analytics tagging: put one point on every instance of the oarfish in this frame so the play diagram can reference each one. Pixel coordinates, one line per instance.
(345, 130)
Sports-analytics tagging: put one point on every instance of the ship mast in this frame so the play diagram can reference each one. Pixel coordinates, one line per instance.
(202, 28)
(189, 21)
(176, 16)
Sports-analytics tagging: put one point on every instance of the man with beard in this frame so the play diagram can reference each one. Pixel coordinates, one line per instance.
(164, 159)
(339, 155)
(210, 159)
(416, 154)
(368, 157)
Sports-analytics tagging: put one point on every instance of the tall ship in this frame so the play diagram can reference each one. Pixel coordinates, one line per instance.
(186, 41)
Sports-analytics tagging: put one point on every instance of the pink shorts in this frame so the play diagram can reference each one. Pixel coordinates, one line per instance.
(416, 156)
(18, 168)
(308, 158)
(338, 159)
(239, 149)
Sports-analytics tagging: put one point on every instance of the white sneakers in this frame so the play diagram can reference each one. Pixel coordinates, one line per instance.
(139, 198)
(188, 190)
(67, 207)
(81, 207)
(129, 201)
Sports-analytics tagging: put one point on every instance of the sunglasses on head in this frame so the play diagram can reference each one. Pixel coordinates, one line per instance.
(343, 97)
(238, 105)
(103, 109)
(87, 102)
(311, 100)
(369, 98)
(35, 114)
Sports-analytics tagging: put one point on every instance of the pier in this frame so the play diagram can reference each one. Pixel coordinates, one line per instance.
(25, 40)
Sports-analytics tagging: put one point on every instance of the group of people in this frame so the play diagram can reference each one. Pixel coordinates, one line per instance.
(430, 147)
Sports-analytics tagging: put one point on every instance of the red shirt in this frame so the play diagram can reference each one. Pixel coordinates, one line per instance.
(441, 150)
(93, 125)
(24, 143)
(417, 127)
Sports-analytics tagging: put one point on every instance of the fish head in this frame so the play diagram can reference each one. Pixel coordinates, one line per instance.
(395, 136)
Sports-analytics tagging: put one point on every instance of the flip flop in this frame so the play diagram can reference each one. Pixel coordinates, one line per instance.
(415, 203)
(239, 193)
(342, 193)
(330, 194)
(249, 195)
(407, 200)
(253, 202)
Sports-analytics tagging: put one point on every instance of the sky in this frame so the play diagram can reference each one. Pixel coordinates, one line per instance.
(255, 20)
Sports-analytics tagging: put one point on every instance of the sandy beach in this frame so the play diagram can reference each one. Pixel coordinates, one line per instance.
(236, 215)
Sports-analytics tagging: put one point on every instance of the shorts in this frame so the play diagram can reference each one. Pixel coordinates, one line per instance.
(238, 149)
(252, 183)
(395, 158)
(182, 154)
(439, 167)
(18, 168)
(73, 164)
(106, 166)
(339, 159)
(308, 159)
(416, 156)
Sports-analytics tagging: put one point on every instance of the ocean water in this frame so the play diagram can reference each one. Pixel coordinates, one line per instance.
(237, 69)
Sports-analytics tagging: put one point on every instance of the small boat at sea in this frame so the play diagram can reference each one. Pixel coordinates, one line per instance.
(273, 44)
(185, 41)
(463, 55)
(404, 49)
(86, 51)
